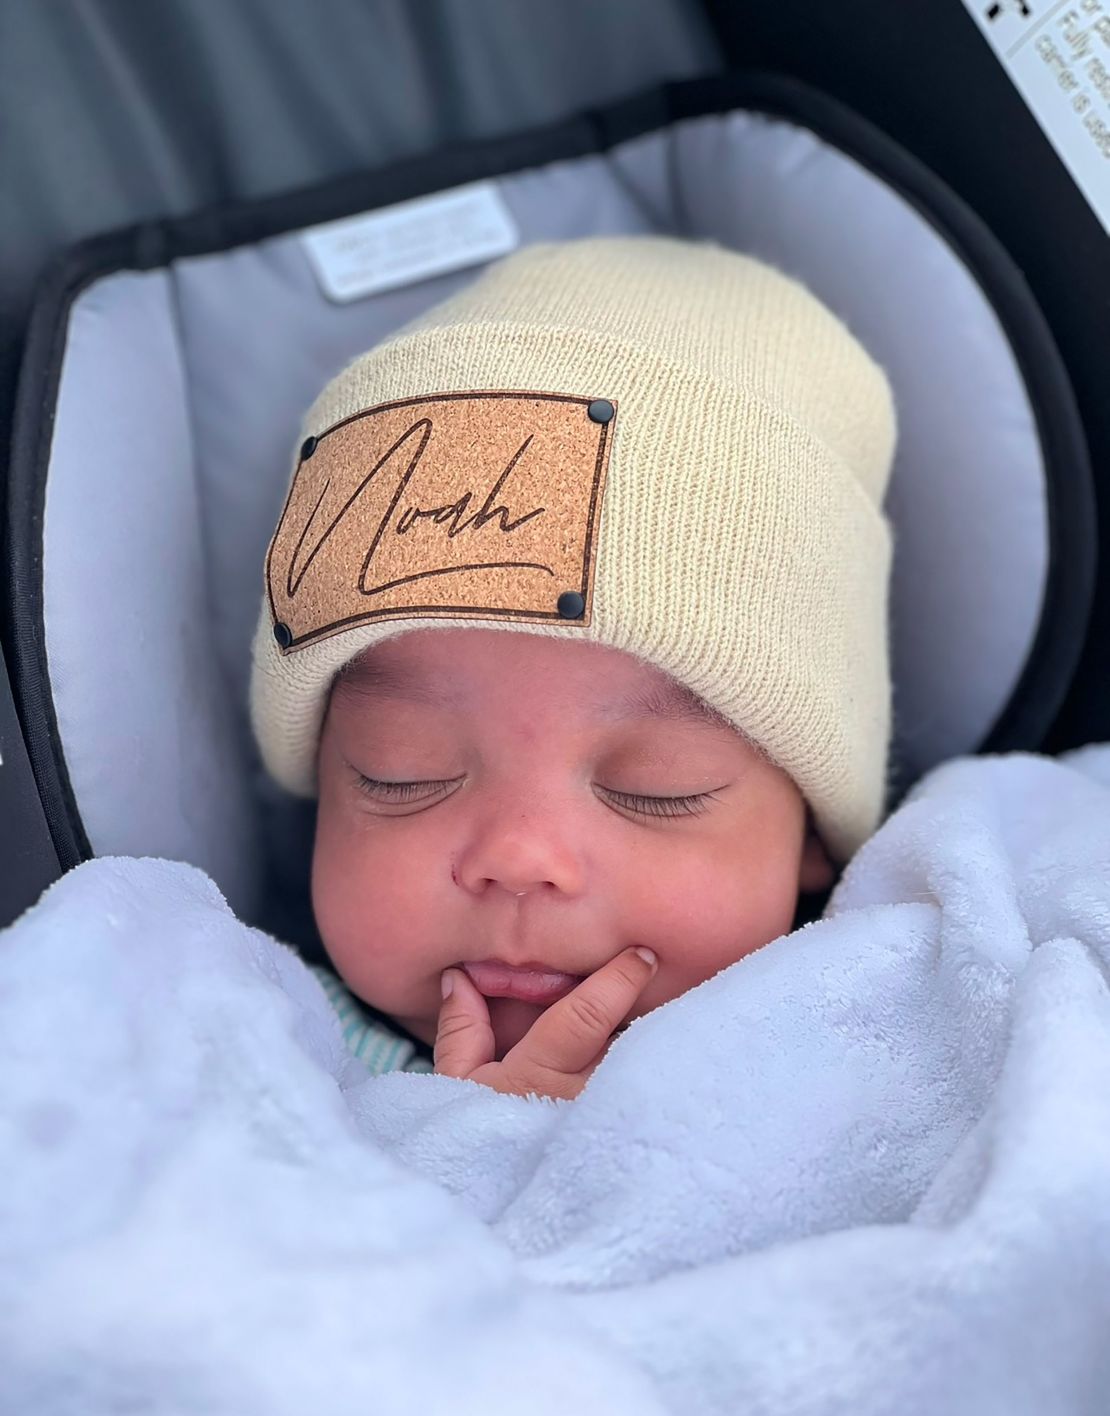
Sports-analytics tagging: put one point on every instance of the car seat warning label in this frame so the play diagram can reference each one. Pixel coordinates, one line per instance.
(1058, 57)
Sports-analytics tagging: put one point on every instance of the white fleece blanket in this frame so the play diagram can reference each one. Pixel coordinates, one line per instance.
(865, 1170)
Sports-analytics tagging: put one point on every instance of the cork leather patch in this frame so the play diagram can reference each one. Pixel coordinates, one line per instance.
(482, 504)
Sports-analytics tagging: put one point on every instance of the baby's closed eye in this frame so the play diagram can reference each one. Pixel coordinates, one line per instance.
(690, 804)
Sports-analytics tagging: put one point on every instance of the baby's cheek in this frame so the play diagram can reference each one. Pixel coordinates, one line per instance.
(700, 920)
(358, 902)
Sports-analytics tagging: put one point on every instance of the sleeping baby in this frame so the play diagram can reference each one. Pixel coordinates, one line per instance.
(575, 623)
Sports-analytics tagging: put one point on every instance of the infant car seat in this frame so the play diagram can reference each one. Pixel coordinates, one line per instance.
(168, 367)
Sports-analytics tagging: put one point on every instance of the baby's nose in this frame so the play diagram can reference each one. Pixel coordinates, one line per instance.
(519, 846)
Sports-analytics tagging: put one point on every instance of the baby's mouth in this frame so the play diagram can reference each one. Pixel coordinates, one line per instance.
(528, 983)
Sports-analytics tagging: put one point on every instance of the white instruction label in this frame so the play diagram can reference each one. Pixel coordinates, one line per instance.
(1058, 57)
(411, 241)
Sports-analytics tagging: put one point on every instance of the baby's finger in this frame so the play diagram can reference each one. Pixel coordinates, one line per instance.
(464, 1034)
(571, 1033)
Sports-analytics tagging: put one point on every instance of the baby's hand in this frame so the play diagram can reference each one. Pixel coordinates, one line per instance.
(562, 1047)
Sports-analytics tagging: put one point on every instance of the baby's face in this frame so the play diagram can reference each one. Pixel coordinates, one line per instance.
(533, 825)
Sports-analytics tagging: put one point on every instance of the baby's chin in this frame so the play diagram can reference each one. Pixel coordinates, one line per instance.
(511, 1019)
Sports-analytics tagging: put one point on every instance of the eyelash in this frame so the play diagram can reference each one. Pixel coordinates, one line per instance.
(663, 806)
(397, 791)
(401, 792)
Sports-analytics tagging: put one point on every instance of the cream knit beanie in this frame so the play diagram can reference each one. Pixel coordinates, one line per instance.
(652, 444)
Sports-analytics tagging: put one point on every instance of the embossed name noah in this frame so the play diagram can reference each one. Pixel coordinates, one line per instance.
(478, 504)
(412, 443)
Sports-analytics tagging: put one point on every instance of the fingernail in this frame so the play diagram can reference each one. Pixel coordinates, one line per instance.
(646, 954)
(447, 983)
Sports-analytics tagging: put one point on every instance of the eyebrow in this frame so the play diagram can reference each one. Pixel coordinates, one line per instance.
(377, 681)
(672, 702)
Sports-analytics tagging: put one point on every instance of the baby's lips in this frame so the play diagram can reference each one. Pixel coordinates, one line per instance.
(526, 985)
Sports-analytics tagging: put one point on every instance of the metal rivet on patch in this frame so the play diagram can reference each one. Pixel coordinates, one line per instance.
(308, 447)
(601, 410)
(571, 605)
(283, 634)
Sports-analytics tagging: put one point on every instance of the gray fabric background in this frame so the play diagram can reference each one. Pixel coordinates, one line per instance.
(114, 111)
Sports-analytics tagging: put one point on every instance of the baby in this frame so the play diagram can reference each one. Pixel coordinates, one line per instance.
(575, 623)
